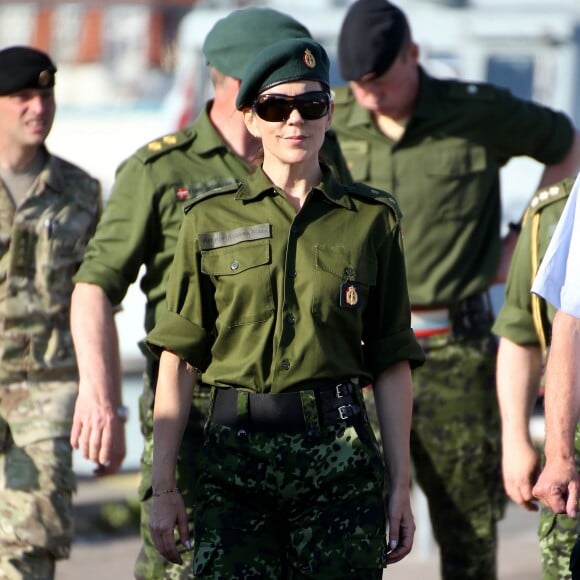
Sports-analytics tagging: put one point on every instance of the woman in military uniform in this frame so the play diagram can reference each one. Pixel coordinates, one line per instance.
(288, 293)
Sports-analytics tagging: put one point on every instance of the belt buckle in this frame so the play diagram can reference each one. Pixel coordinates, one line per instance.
(345, 411)
(343, 389)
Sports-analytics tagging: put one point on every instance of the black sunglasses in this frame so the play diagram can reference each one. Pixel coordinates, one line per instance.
(275, 108)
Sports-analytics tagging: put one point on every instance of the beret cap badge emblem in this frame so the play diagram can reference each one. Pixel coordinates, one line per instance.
(309, 59)
(44, 78)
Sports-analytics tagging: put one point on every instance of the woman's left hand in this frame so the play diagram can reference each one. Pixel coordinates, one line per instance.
(401, 525)
(168, 511)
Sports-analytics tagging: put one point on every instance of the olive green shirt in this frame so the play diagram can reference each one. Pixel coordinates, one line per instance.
(144, 212)
(514, 320)
(268, 299)
(444, 172)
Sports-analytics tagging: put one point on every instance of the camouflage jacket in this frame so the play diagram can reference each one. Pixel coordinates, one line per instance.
(42, 243)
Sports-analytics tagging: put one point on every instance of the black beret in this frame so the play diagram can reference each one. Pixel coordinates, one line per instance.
(22, 67)
(234, 41)
(371, 37)
(291, 59)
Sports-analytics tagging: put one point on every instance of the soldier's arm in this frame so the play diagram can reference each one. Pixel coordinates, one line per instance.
(172, 404)
(98, 430)
(559, 484)
(569, 166)
(518, 374)
(393, 393)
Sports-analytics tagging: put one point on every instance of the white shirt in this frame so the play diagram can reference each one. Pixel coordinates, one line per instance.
(558, 278)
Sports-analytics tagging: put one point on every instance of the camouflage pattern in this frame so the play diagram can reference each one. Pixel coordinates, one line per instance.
(290, 506)
(42, 242)
(150, 564)
(36, 478)
(455, 447)
(558, 534)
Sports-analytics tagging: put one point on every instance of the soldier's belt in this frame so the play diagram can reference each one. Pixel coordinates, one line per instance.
(296, 412)
(468, 316)
(429, 322)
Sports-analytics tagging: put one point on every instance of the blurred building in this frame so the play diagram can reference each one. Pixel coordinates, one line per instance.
(101, 44)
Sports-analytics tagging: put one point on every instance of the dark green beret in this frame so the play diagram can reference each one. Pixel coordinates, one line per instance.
(22, 67)
(292, 59)
(371, 38)
(234, 41)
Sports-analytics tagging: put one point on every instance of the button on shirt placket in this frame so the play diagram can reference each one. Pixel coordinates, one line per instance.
(289, 304)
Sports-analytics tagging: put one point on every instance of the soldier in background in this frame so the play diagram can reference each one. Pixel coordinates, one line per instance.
(524, 324)
(49, 209)
(558, 283)
(438, 146)
(139, 227)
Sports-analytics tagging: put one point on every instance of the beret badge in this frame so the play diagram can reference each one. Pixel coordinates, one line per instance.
(44, 78)
(309, 59)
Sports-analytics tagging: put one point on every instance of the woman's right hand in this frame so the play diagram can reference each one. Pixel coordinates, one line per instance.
(168, 511)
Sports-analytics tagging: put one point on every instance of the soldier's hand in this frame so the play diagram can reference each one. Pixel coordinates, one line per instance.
(99, 433)
(401, 525)
(558, 486)
(520, 468)
(168, 511)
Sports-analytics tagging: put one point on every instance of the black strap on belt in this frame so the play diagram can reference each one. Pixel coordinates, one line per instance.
(295, 412)
(473, 315)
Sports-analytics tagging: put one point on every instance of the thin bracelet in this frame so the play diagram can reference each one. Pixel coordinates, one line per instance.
(165, 491)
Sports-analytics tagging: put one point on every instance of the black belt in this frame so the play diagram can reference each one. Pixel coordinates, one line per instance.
(295, 412)
(473, 315)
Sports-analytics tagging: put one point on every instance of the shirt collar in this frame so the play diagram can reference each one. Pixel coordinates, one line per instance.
(207, 138)
(259, 183)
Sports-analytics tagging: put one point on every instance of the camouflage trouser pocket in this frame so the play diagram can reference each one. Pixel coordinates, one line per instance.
(558, 535)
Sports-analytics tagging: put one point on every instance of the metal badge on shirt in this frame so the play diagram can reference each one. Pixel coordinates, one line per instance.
(350, 295)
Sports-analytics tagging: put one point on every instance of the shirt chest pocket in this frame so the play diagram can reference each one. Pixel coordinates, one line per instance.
(357, 154)
(241, 276)
(456, 176)
(343, 278)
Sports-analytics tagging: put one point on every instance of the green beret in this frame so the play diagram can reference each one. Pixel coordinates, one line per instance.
(292, 59)
(234, 41)
(22, 67)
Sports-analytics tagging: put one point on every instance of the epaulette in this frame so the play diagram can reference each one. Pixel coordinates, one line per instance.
(367, 192)
(230, 188)
(548, 195)
(162, 145)
(472, 91)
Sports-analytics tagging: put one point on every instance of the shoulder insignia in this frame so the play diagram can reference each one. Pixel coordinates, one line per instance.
(548, 195)
(473, 91)
(367, 192)
(162, 145)
(230, 188)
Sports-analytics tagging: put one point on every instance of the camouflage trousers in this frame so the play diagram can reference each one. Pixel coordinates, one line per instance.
(455, 447)
(150, 565)
(36, 478)
(290, 506)
(558, 534)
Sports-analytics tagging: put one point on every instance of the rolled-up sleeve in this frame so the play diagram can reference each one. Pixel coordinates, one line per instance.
(389, 338)
(186, 328)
